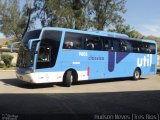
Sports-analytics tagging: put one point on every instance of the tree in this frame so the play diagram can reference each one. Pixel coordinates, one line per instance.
(126, 29)
(80, 14)
(27, 11)
(62, 13)
(106, 13)
(13, 20)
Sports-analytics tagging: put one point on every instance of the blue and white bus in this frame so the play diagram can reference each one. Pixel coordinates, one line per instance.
(65, 55)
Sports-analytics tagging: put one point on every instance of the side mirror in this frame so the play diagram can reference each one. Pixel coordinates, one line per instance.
(31, 42)
(12, 46)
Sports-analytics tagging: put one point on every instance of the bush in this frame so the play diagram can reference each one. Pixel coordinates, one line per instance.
(8, 44)
(7, 59)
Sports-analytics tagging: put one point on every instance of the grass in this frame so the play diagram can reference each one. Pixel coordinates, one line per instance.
(10, 68)
(2, 67)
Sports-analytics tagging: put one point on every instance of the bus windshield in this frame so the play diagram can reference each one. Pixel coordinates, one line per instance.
(31, 35)
(26, 57)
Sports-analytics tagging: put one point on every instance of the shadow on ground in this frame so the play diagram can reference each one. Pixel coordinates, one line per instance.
(79, 106)
(22, 84)
(26, 85)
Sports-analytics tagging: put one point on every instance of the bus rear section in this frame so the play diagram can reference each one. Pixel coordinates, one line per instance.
(110, 57)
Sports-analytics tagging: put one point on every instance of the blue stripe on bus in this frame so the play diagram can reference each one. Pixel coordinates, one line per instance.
(111, 59)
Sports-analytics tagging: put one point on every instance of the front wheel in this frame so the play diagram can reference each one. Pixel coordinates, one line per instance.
(68, 79)
(136, 74)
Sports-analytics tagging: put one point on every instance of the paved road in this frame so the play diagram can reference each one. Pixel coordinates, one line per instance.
(90, 100)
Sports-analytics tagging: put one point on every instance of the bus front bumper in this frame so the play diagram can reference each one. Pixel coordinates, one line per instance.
(26, 77)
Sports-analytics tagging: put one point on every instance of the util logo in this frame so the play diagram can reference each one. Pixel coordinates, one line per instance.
(145, 61)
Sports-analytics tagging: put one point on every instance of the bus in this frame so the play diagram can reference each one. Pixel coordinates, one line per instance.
(64, 55)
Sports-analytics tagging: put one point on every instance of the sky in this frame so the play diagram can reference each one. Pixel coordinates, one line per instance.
(142, 15)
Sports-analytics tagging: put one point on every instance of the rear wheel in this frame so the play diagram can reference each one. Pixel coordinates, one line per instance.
(136, 74)
(68, 79)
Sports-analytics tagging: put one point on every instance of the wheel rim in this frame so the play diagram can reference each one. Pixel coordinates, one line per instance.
(137, 74)
(71, 78)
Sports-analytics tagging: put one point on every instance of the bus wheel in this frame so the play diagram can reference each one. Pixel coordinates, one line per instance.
(136, 74)
(68, 79)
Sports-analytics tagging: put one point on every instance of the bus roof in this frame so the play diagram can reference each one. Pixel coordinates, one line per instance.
(100, 33)
(103, 33)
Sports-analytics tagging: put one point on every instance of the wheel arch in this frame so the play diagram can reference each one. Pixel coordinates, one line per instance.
(74, 72)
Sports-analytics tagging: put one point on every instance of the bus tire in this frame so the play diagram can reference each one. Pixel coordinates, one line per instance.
(68, 79)
(136, 74)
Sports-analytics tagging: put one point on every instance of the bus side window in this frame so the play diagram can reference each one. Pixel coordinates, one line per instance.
(152, 48)
(93, 43)
(123, 46)
(68, 45)
(116, 45)
(90, 45)
(97, 43)
(147, 48)
(106, 46)
(72, 41)
(111, 47)
(143, 48)
(136, 47)
(129, 46)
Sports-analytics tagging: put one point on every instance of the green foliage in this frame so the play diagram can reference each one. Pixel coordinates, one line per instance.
(107, 13)
(0, 46)
(126, 29)
(13, 20)
(8, 44)
(62, 13)
(80, 14)
(7, 59)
